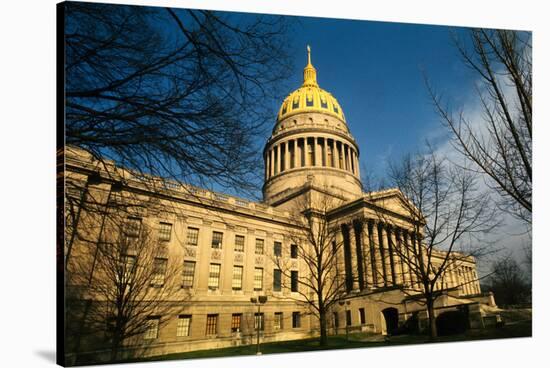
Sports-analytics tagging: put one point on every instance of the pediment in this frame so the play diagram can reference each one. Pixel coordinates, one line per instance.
(394, 201)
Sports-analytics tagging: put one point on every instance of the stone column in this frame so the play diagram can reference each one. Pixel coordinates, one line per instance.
(411, 246)
(378, 274)
(306, 152)
(277, 157)
(357, 169)
(420, 255)
(477, 288)
(325, 151)
(337, 153)
(466, 281)
(301, 156)
(353, 257)
(318, 152)
(452, 270)
(389, 254)
(383, 238)
(271, 154)
(471, 278)
(395, 260)
(333, 150)
(266, 161)
(405, 277)
(295, 148)
(330, 144)
(353, 162)
(287, 155)
(358, 231)
(340, 257)
(367, 255)
(348, 158)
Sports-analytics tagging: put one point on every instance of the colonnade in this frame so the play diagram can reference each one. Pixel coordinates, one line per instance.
(308, 152)
(375, 254)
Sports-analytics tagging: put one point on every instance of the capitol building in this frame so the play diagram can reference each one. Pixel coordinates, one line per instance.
(231, 249)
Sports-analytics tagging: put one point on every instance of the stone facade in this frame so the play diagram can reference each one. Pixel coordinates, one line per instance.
(311, 153)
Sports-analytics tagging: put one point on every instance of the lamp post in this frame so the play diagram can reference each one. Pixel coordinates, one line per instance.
(258, 301)
(345, 304)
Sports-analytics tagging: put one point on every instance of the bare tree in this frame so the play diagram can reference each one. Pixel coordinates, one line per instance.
(118, 281)
(179, 94)
(509, 283)
(447, 214)
(315, 244)
(500, 145)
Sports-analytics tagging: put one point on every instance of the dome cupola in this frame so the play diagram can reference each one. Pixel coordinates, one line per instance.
(310, 97)
(310, 144)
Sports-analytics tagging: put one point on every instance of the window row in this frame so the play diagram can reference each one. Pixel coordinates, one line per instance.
(158, 275)
(237, 277)
(184, 321)
(259, 245)
(133, 228)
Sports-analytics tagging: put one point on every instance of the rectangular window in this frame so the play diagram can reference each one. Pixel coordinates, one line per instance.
(133, 227)
(237, 282)
(217, 238)
(236, 322)
(211, 324)
(276, 280)
(362, 315)
(348, 318)
(295, 319)
(184, 325)
(159, 270)
(336, 321)
(165, 231)
(294, 281)
(258, 279)
(152, 328)
(239, 243)
(214, 276)
(258, 321)
(259, 246)
(188, 274)
(293, 251)
(192, 236)
(277, 249)
(278, 321)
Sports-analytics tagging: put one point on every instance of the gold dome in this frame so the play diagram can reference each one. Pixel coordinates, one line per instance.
(310, 97)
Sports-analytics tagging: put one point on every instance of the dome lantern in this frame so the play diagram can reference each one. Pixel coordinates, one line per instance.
(310, 74)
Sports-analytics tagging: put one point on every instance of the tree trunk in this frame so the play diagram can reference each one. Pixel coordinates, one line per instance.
(323, 339)
(115, 345)
(431, 318)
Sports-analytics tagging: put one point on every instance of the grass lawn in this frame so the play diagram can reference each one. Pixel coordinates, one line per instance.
(359, 340)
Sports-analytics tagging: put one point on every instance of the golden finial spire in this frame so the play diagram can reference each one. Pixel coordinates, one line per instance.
(310, 74)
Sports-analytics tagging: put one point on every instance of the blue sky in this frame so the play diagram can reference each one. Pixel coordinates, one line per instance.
(375, 69)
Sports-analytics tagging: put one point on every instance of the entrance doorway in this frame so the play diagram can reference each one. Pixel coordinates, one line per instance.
(391, 317)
